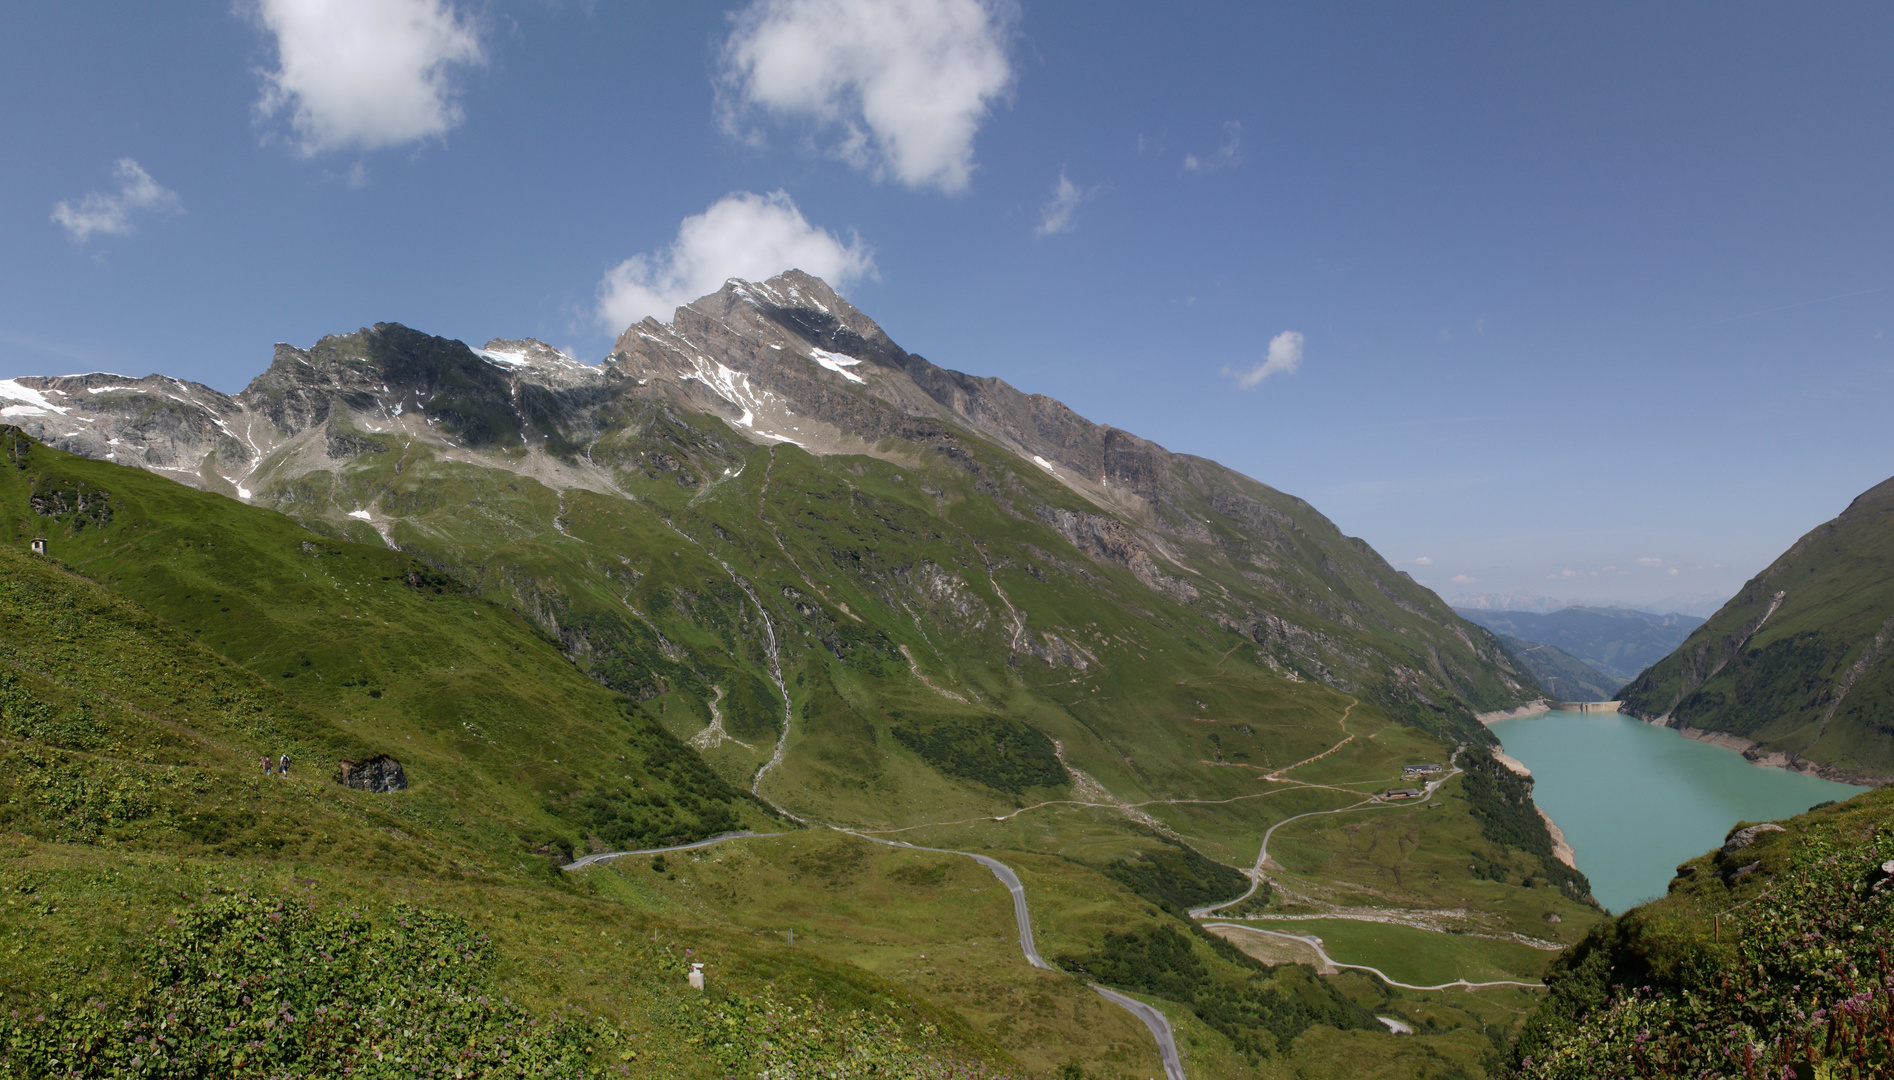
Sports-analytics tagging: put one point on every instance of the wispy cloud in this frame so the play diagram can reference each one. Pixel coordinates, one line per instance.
(111, 213)
(896, 88)
(366, 74)
(1060, 214)
(1423, 561)
(1284, 358)
(1648, 561)
(741, 235)
(1230, 153)
(1462, 579)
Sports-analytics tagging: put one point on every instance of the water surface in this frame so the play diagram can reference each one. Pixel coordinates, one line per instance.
(1635, 800)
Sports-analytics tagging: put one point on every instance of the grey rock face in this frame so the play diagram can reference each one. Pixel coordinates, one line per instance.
(1742, 838)
(380, 774)
(787, 361)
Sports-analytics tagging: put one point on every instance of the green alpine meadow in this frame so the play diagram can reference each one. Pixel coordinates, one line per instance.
(767, 701)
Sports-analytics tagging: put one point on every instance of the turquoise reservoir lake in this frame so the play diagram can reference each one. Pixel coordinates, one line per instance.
(1635, 800)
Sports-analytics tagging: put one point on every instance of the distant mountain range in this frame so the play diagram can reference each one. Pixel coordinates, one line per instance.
(1701, 605)
(1564, 676)
(1795, 667)
(1616, 643)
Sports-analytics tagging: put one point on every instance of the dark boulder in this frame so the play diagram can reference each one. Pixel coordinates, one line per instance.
(381, 774)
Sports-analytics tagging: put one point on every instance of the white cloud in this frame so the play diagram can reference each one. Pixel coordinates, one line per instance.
(898, 88)
(1284, 358)
(111, 214)
(742, 235)
(365, 74)
(1647, 561)
(1672, 571)
(1230, 153)
(1423, 561)
(1462, 579)
(1060, 214)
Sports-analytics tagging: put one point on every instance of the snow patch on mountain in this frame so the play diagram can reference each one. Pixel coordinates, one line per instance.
(35, 403)
(837, 363)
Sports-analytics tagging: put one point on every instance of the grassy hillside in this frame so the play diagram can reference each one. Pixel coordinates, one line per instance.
(172, 637)
(1564, 676)
(1797, 662)
(159, 886)
(1768, 958)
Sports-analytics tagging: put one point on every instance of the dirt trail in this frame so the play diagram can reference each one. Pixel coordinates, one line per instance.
(925, 681)
(1343, 724)
(1316, 944)
(714, 735)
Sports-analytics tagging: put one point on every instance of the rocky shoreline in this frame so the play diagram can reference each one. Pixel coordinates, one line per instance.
(1758, 756)
(1530, 708)
(1561, 850)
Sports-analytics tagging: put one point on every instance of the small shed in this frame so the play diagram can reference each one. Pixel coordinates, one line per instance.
(39, 545)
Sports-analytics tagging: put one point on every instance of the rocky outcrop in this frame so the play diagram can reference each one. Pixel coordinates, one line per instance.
(1112, 542)
(1742, 838)
(380, 774)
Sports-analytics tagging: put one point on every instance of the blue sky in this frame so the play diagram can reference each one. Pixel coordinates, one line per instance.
(1583, 301)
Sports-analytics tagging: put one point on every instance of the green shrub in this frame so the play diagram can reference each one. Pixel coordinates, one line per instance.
(1177, 877)
(245, 986)
(1002, 753)
(1799, 977)
(1259, 1009)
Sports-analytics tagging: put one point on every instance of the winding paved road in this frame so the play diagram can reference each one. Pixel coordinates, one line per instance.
(1262, 854)
(1316, 944)
(1160, 1027)
(607, 856)
(1160, 1030)
(1153, 1019)
(1007, 878)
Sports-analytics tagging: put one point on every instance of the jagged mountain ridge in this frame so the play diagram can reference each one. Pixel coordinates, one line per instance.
(786, 362)
(1793, 670)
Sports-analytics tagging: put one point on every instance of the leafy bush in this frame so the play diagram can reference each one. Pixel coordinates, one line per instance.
(684, 801)
(1799, 984)
(1259, 1009)
(767, 1038)
(1177, 877)
(1002, 753)
(251, 987)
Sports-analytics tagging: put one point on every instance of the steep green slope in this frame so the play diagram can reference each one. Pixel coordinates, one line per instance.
(138, 706)
(1768, 958)
(173, 912)
(1616, 642)
(1564, 676)
(397, 658)
(1795, 664)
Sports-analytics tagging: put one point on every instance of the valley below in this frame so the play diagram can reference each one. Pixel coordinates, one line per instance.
(1635, 800)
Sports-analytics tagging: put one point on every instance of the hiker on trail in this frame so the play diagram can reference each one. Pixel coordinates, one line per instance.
(266, 764)
(284, 771)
